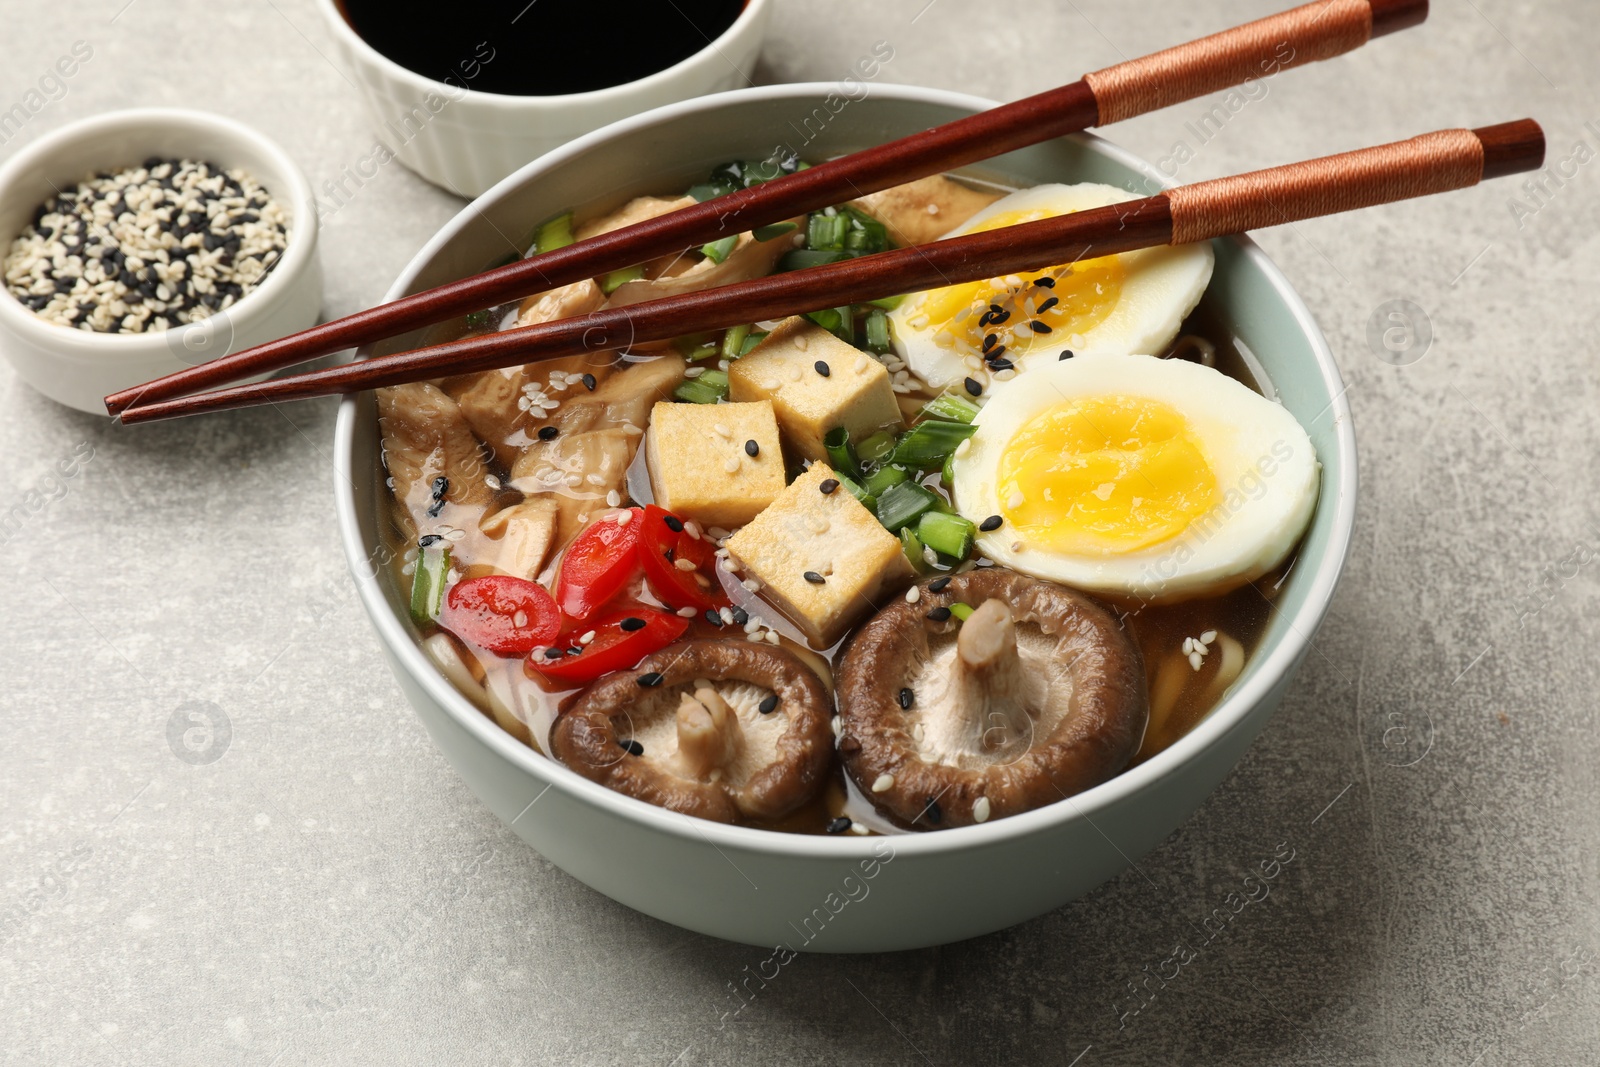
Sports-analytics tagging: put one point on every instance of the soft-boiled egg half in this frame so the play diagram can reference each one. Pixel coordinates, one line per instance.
(1132, 302)
(1133, 476)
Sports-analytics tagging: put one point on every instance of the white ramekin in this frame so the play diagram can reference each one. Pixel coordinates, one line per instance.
(848, 893)
(465, 140)
(79, 368)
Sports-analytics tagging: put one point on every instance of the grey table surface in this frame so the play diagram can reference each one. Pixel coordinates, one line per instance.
(329, 891)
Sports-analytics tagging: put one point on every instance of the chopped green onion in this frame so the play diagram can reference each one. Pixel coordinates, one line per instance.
(853, 487)
(903, 504)
(708, 388)
(717, 251)
(912, 546)
(947, 476)
(877, 328)
(618, 278)
(952, 407)
(826, 231)
(876, 448)
(888, 303)
(776, 230)
(427, 584)
(480, 320)
(696, 346)
(733, 341)
(553, 234)
(704, 191)
(866, 234)
(802, 258)
(926, 444)
(836, 321)
(950, 535)
(841, 457)
(755, 337)
(961, 611)
(882, 478)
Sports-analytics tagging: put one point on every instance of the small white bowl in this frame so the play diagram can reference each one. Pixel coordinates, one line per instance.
(465, 140)
(78, 367)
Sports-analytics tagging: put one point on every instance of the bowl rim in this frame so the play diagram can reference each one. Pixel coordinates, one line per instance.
(1229, 716)
(340, 26)
(68, 343)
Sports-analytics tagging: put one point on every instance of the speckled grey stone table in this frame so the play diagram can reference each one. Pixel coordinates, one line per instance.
(327, 891)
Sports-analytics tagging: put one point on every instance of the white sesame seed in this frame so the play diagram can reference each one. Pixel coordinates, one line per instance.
(587, 638)
(613, 498)
(623, 517)
(722, 430)
(731, 464)
(684, 564)
(883, 783)
(1188, 645)
(687, 613)
(838, 728)
(770, 385)
(913, 595)
(980, 810)
(1195, 660)
(800, 342)
(1208, 637)
(751, 585)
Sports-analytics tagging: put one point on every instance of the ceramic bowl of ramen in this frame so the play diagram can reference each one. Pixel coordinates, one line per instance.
(881, 627)
(464, 102)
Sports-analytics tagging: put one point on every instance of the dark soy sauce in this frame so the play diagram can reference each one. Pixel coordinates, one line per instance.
(539, 47)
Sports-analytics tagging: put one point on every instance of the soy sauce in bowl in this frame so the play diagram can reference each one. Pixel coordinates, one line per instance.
(539, 47)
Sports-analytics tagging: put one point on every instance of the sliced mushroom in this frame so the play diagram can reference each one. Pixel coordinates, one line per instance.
(1040, 694)
(522, 535)
(425, 438)
(685, 730)
(748, 259)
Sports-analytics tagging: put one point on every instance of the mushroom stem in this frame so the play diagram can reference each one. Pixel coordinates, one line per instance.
(708, 732)
(990, 671)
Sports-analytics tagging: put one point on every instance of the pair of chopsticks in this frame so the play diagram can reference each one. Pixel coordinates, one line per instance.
(1432, 163)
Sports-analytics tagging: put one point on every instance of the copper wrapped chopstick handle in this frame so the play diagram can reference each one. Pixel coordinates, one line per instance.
(1432, 163)
(1315, 31)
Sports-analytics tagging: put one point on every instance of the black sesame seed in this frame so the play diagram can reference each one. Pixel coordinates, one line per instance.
(938, 584)
(713, 617)
(1038, 327)
(999, 317)
(740, 616)
(649, 679)
(990, 340)
(932, 812)
(996, 354)
(822, 368)
(906, 698)
(813, 577)
(1045, 282)
(1047, 305)
(991, 523)
(553, 653)
(751, 448)
(828, 485)
(674, 523)
(1001, 364)
(769, 705)
(575, 650)
(1066, 354)
(839, 825)
(973, 386)
(632, 623)
(548, 433)
(984, 319)
(631, 747)
(589, 382)
(428, 540)
(939, 614)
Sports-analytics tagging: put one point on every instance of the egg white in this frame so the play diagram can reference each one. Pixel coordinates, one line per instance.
(1265, 466)
(1160, 287)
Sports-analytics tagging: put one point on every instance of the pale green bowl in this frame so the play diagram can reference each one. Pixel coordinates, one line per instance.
(849, 894)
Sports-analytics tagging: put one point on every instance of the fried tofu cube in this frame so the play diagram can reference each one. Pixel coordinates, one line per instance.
(701, 466)
(822, 559)
(785, 368)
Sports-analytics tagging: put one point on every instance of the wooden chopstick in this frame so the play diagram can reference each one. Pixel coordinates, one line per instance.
(1431, 163)
(1314, 31)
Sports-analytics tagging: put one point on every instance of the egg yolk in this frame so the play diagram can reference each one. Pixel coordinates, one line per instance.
(1042, 310)
(1104, 475)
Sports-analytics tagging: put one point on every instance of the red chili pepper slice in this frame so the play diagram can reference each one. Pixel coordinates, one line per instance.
(601, 561)
(620, 640)
(663, 542)
(506, 615)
